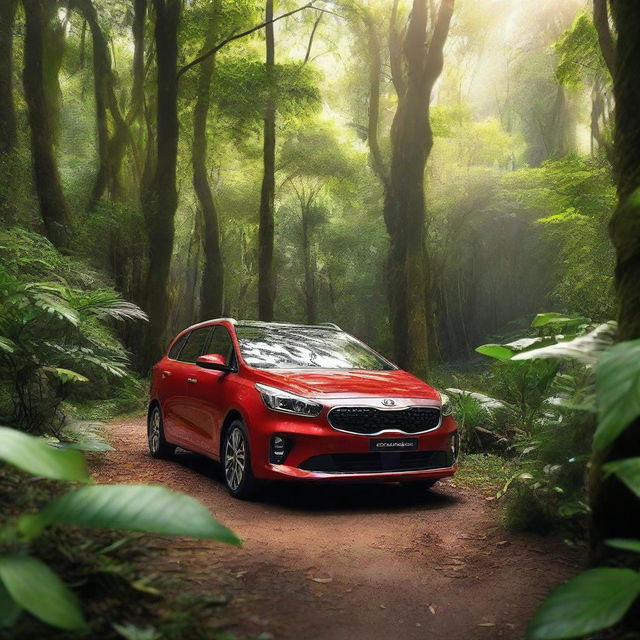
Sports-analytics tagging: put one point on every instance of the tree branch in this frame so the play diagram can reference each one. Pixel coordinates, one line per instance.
(313, 33)
(603, 29)
(226, 41)
(435, 58)
(395, 52)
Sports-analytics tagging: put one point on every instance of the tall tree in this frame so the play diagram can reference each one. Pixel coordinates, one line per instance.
(615, 509)
(161, 199)
(42, 115)
(8, 126)
(266, 275)
(8, 123)
(416, 60)
(212, 284)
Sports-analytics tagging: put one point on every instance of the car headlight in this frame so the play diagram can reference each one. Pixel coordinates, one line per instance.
(280, 400)
(447, 407)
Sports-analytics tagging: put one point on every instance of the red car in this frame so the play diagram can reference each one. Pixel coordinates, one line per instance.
(274, 401)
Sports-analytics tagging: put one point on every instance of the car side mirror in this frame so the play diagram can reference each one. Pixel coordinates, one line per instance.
(213, 361)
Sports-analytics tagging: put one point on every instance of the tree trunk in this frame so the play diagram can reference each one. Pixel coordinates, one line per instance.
(309, 266)
(161, 199)
(8, 126)
(212, 285)
(415, 68)
(266, 275)
(42, 116)
(615, 509)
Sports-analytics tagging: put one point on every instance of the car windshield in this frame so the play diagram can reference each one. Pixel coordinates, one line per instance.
(278, 347)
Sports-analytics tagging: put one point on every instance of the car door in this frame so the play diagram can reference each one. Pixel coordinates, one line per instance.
(168, 385)
(210, 394)
(184, 375)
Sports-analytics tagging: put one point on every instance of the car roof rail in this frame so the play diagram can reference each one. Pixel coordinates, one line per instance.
(331, 325)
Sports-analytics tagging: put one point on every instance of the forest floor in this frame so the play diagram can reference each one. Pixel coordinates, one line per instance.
(354, 562)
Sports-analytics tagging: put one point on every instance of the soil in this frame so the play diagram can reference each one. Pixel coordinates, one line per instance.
(350, 562)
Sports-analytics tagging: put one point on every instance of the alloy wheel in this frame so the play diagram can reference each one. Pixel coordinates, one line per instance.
(154, 431)
(235, 459)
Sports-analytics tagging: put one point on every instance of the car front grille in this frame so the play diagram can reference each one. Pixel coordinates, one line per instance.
(369, 420)
(375, 462)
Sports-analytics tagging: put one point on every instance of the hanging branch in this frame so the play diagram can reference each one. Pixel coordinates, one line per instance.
(257, 27)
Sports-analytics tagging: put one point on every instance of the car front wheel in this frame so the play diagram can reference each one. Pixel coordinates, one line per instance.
(237, 462)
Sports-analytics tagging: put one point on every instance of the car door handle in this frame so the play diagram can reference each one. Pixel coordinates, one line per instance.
(192, 380)
(166, 374)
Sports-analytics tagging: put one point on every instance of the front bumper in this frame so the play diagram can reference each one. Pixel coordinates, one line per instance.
(314, 439)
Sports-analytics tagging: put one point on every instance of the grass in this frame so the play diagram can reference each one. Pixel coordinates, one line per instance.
(486, 473)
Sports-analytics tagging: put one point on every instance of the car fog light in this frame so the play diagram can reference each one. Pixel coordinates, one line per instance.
(280, 447)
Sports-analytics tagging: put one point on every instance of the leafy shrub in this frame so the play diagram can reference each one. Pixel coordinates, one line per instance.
(53, 334)
(29, 584)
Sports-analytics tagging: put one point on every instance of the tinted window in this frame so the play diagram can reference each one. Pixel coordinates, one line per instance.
(305, 348)
(195, 345)
(221, 343)
(177, 345)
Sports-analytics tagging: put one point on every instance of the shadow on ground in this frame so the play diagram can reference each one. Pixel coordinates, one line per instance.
(324, 497)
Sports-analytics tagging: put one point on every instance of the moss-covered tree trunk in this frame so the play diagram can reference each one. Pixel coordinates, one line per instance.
(616, 510)
(416, 63)
(8, 126)
(266, 275)
(42, 113)
(8, 123)
(161, 199)
(212, 284)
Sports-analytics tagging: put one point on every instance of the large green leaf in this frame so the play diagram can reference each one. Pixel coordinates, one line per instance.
(628, 470)
(586, 349)
(594, 600)
(618, 391)
(37, 589)
(10, 610)
(35, 456)
(66, 375)
(625, 544)
(131, 507)
(551, 317)
(496, 351)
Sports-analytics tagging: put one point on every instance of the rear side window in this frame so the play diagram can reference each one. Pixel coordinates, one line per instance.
(195, 345)
(177, 345)
(221, 343)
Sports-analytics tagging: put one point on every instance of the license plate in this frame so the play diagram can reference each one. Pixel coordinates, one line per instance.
(393, 444)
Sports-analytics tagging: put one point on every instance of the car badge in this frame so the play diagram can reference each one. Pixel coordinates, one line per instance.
(388, 402)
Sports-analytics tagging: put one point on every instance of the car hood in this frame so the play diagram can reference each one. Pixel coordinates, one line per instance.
(348, 384)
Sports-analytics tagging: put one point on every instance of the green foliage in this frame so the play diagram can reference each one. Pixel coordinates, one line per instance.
(39, 458)
(594, 600)
(618, 388)
(27, 582)
(54, 335)
(579, 54)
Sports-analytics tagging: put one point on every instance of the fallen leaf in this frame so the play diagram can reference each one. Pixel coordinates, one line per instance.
(487, 624)
(432, 609)
(322, 580)
(382, 606)
(502, 543)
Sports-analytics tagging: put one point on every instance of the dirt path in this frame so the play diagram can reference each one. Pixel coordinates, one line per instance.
(352, 562)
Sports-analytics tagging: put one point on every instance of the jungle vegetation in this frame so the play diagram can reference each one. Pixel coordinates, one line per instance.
(454, 182)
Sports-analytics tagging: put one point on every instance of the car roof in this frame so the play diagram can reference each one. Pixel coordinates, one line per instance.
(329, 326)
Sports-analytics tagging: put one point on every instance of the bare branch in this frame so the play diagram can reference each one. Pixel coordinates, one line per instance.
(313, 33)
(257, 27)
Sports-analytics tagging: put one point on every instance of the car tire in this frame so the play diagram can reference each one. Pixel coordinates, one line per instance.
(236, 463)
(158, 446)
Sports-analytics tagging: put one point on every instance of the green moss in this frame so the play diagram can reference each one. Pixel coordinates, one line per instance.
(486, 473)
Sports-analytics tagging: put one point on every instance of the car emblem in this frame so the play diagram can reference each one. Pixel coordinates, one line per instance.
(388, 402)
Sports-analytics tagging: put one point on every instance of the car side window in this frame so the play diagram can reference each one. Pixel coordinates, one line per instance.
(177, 345)
(195, 345)
(221, 343)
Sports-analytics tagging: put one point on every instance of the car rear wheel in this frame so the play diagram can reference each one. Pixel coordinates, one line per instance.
(158, 446)
(238, 476)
